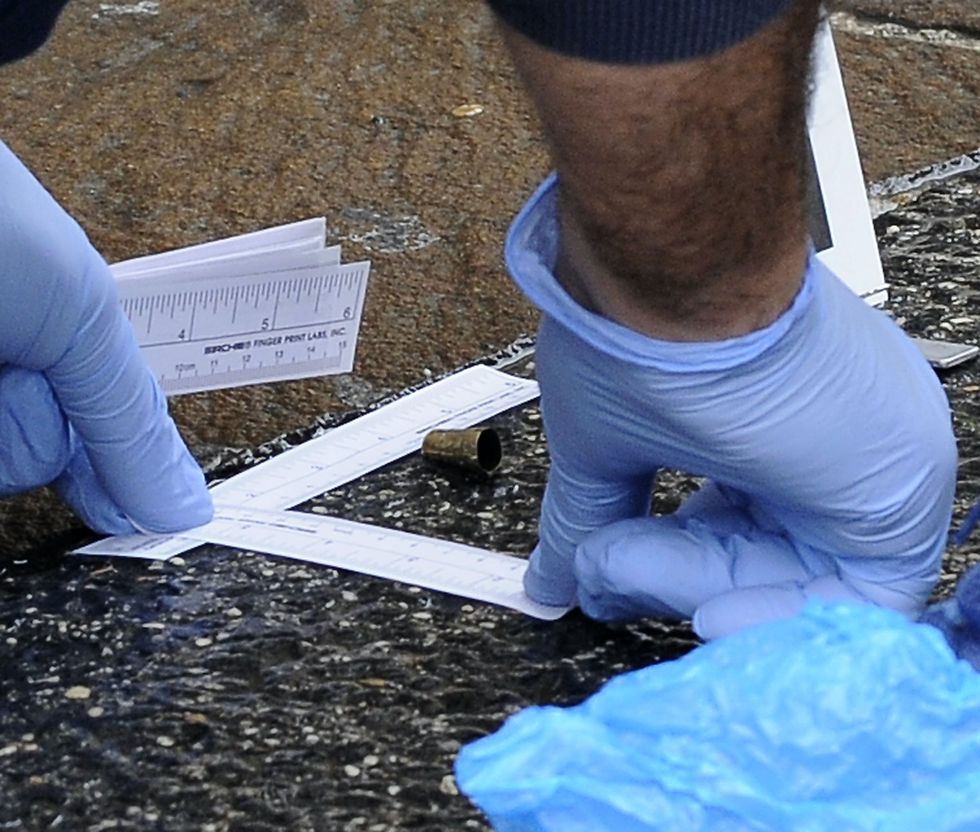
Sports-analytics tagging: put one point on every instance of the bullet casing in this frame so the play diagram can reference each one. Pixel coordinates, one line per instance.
(474, 449)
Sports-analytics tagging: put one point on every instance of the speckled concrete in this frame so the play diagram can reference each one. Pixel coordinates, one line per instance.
(913, 100)
(956, 15)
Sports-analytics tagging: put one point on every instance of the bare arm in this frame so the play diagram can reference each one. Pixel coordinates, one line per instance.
(681, 183)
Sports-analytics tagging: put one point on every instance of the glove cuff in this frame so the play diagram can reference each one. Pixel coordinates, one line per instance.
(531, 253)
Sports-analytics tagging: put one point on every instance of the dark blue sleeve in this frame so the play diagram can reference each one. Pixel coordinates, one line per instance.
(638, 31)
(25, 25)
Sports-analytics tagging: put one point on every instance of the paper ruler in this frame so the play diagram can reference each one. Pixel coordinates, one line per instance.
(273, 305)
(385, 553)
(251, 504)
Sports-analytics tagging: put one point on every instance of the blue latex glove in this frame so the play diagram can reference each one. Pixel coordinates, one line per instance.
(826, 439)
(958, 618)
(969, 524)
(842, 718)
(78, 406)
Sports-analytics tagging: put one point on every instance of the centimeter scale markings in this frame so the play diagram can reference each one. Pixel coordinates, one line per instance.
(375, 439)
(248, 329)
(252, 514)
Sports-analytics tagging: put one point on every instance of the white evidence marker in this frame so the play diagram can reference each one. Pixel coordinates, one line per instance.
(841, 224)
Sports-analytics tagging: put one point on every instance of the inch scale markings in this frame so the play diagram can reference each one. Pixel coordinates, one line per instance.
(234, 330)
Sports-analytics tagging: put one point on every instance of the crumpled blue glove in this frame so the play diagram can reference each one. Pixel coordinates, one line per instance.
(826, 440)
(78, 406)
(844, 717)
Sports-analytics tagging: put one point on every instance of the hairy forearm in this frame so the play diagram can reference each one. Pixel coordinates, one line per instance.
(681, 183)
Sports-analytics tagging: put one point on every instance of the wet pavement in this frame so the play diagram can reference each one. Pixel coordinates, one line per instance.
(233, 691)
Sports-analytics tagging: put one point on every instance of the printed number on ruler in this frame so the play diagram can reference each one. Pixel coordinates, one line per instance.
(260, 328)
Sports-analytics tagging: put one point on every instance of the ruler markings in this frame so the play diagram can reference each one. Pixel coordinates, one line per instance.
(190, 325)
(349, 451)
(304, 311)
(241, 332)
(392, 554)
(196, 312)
(328, 461)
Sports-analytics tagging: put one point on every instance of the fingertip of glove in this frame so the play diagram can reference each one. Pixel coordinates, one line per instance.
(177, 516)
(700, 627)
(550, 592)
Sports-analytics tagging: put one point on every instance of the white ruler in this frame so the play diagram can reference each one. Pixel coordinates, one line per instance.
(348, 451)
(385, 553)
(251, 506)
(262, 307)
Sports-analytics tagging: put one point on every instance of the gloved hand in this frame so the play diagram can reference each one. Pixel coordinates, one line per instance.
(78, 406)
(826, 439)
(958, 618)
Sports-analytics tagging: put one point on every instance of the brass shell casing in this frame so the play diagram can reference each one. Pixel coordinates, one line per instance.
(474, 449)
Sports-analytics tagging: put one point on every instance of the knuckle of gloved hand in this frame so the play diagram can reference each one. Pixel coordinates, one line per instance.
(594, 567)
(596, 553)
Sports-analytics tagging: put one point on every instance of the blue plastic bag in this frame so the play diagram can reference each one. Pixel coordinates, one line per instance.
(846, 717)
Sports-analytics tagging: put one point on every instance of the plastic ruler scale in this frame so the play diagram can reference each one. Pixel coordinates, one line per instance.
(251, 506)
(268, 306)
